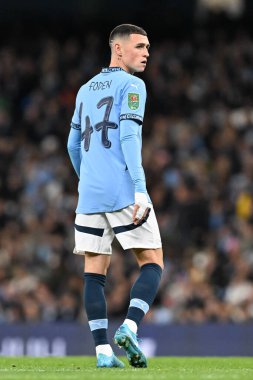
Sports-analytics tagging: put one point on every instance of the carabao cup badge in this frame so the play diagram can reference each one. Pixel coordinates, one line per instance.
(133, 101)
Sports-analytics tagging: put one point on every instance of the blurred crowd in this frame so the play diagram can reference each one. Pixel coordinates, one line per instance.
(198, 158)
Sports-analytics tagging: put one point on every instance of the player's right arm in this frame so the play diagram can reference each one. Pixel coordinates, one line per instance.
(74, 138)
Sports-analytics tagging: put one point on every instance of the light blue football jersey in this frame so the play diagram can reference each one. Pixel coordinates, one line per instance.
(109, 110)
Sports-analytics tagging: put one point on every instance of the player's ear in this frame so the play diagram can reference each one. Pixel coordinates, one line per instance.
(118, 50)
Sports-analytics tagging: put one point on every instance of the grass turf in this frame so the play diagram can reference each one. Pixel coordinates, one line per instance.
(84, 368)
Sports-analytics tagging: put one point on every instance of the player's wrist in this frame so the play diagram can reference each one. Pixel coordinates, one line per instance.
(141, 199)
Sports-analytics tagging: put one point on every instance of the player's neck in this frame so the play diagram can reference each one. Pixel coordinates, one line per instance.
(117, 63)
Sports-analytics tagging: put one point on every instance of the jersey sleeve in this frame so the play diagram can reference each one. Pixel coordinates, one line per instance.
(130, 140)
(74, 138)
(133, 101)
(76, 119)
(132, 113)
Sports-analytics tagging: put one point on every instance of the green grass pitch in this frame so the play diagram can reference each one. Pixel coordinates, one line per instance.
(84, 368)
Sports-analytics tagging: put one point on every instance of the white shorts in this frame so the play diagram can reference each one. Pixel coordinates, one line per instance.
(95, 232)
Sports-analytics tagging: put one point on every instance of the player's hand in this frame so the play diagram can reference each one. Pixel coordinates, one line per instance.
(141, 208)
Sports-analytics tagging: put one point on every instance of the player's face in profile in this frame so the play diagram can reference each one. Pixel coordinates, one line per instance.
(135, 53)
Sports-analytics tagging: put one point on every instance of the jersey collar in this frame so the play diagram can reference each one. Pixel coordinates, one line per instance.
(111, 69)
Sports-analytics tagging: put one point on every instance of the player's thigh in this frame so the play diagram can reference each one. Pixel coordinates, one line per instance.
(131, 236)
(93, 234)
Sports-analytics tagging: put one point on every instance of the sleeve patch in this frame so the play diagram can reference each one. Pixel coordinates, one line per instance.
(133, 101)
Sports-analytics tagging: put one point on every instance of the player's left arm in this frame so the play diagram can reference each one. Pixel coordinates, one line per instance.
(74, 148)
(74, 139)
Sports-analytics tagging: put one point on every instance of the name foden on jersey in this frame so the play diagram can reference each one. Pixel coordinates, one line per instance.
(100, 85)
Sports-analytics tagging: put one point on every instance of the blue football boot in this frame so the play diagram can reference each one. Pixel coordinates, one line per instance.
(109, 361)
(127, 340)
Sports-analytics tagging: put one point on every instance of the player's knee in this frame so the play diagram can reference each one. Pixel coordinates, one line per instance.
(149, 256)
(158, 261)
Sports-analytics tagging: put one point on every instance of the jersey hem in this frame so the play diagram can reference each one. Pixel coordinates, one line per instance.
(96, 211)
